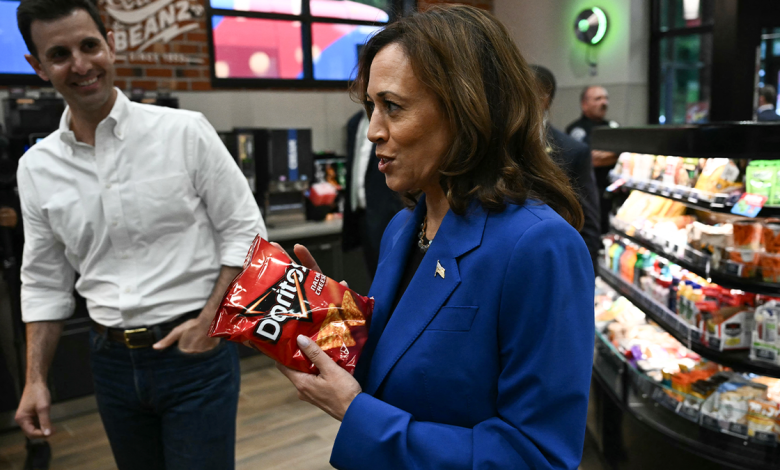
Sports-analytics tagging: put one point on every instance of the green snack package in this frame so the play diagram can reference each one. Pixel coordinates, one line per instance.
(760, 179)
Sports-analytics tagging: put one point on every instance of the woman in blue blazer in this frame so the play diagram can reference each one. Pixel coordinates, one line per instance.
(480, 347)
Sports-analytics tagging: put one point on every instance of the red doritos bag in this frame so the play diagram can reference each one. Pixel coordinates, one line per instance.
(273, 300)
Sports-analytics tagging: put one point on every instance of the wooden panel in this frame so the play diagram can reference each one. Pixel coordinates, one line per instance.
(274, 430)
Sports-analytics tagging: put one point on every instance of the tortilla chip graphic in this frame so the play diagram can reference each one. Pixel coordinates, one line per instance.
(334, 332)
(350, 311)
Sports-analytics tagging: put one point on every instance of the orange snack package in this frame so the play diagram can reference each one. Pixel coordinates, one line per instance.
(747, 235)
(273, 300)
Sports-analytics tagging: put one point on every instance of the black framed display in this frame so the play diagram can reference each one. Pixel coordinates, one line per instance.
(14, 69)
(292, 43)
(754, 140)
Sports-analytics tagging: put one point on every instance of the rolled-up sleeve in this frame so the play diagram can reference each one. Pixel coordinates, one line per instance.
(230, 204)
(47, 276)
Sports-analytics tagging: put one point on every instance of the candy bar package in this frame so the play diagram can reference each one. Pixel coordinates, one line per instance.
(273, 300)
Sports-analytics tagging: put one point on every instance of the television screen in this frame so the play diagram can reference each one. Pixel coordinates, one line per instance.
(11, 43)
(300, 42)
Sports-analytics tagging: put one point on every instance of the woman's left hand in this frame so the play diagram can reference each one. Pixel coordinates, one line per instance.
(332, 391)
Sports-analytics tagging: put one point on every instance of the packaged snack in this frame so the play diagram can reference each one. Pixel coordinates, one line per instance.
(771, 236)
(742, 263)
(730, 327)
(761, 418)
(273, 300)
(659, 166)
(673, 166)
(733, 400)
(760, 178)
(770, 266)
(719, 175)
(747, 234)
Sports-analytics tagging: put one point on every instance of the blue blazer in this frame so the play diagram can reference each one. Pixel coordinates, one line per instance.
(488, 367)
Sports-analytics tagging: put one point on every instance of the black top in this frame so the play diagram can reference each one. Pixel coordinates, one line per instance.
(581, 129)
(412, 263)
(768, 115)
(574, 158)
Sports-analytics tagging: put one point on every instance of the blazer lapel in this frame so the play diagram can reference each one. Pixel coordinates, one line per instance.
(426, 293)
(388, 275)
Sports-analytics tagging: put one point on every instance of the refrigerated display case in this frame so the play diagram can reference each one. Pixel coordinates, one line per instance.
(636, 419)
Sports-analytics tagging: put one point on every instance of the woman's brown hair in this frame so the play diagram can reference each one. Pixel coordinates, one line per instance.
(493, 104)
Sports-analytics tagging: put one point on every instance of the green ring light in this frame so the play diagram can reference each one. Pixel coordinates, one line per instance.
(590, 26)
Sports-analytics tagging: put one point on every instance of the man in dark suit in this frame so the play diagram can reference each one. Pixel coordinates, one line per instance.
(575, 159)
(767, 96)
(369, 203)
(594, 102)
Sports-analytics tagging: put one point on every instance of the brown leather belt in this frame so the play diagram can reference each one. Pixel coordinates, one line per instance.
(142, 337)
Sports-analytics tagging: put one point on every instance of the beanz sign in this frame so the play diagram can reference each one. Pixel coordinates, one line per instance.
(140, 24)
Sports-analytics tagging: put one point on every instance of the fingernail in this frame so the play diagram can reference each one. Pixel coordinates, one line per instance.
(46, 432)
(303, 341)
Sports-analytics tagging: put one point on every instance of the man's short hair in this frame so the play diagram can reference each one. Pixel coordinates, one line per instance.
(546, 80)
(48, 10)
(769, 94)
(584, 91)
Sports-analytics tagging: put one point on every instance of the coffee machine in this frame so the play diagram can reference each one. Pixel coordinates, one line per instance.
(278, 165)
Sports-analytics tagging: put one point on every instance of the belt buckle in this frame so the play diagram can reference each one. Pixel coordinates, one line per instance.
(127, 335)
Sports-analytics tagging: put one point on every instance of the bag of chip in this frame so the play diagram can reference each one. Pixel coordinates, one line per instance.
(273, 300)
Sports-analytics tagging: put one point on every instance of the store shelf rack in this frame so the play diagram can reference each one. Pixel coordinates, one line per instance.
(682, 421)
(752, 140)
(684, 441)
(682, 331)
(701, 264)
(719, 203)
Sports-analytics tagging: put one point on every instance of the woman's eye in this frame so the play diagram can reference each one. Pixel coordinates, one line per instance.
(392, 106)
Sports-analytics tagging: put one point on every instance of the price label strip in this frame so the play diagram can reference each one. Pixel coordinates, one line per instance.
(739, 429)
(663, 399)
(689, 412)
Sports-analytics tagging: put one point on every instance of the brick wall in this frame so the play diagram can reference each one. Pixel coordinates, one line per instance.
(180, 63)
(147, 58)
(484, 4)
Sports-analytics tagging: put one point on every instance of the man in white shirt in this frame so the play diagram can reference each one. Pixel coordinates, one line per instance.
(148, 207)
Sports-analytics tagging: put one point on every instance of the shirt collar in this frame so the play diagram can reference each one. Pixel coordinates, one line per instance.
(119, 115)
(765, 107)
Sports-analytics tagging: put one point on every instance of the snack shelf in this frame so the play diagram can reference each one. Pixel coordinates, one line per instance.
(683, 332)
(700, 263)
(724, 139)
(680, 420)
(693, 198)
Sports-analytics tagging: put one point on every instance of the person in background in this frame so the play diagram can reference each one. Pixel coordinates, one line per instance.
(38, 450)
(370, 204)
(480, 349)
(594, 102)
(767, 97)
(148, 207)
(574, 158)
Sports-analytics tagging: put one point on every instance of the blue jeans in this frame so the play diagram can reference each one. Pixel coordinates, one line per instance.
(167, 410)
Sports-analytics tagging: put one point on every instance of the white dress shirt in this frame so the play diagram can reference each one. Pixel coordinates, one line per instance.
(360, 163)
(146, 217)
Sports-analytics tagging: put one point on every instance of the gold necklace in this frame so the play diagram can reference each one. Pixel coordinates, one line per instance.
(424, 243)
